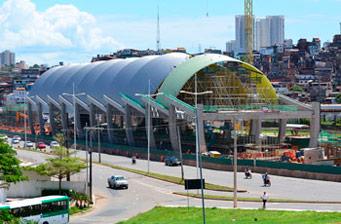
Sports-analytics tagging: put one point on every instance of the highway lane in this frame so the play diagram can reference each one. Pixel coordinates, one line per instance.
(282, 187)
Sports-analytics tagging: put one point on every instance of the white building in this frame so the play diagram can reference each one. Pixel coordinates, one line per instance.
(267, 32)
(7, 58)
(262, 34)
(230, 46)
(276, 29)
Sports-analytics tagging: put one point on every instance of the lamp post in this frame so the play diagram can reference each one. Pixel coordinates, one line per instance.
(25, 126)
(196, 94)
(149, 95)
(74, 95)
(198, 158)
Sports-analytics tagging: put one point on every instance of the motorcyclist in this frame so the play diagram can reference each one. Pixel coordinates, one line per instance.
(248, 173)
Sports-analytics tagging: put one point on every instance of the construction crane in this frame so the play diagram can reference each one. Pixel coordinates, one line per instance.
(248, 17)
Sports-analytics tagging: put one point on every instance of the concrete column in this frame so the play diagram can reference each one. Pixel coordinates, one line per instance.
(77, 118)
(110, 126)
(30, 119)
(256, 127)
(128, 126)
(152, 138)
(52, 121)
(40, 118)
(314, 125)
(172, 128)
(282, 130)
(202, 140)
(64, 117)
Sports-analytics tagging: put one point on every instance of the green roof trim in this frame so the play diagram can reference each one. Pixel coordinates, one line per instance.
(59, 198)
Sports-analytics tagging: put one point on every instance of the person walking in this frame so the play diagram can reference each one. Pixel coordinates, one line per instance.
(265, 198)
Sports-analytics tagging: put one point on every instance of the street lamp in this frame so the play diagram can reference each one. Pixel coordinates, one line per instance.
(25, 126)
(196, 94)
(149, 95)
(74, 95)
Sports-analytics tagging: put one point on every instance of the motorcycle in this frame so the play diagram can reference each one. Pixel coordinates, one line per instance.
(248, 175)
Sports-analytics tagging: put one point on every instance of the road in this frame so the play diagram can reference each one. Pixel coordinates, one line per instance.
(282, 187)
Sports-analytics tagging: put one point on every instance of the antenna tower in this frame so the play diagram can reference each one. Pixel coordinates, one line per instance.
(158, 43)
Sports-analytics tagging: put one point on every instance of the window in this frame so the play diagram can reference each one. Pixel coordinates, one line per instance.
(54, 206)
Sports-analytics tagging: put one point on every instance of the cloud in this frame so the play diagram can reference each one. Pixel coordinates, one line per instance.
(58, 28)
(212, 31)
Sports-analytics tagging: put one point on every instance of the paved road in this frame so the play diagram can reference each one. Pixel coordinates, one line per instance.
(282, 187)
(144, 193)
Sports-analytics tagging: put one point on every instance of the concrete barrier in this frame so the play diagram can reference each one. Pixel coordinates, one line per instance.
(29, 189)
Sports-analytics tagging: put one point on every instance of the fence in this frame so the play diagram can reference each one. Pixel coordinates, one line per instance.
(156, 153)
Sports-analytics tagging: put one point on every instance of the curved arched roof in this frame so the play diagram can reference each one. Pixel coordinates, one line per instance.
(167, 73)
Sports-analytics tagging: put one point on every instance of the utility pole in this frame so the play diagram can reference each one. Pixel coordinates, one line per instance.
(25, 127)
(235, 151)
(180, 154)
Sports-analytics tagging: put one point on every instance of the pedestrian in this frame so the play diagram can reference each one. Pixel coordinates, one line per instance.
(265, 198)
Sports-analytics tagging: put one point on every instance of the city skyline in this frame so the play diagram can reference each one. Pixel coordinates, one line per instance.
(38, 32)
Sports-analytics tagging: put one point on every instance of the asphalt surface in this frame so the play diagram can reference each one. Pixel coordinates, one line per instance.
(282, 187)
(144, 193)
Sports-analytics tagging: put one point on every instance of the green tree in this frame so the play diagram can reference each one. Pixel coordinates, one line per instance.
(338, 98)
(8, 218)
(10, 169)
(296, 88)
(59, 137)
(61, 166)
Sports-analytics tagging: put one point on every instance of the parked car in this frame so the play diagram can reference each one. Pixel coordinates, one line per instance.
(41, 145)
(54, 144)
(17, 137)
(117, 181)
(15, 141)
(28, 144)
(172, 161)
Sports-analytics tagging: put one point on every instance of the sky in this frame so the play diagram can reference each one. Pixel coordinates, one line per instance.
(49, 31)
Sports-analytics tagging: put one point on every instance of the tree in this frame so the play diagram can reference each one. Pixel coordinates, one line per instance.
(338, 98)
(61, 166)
(297, 88)
(10, 169)
(59, 137)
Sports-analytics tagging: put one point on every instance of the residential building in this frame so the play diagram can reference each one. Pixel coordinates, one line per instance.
(7, 58)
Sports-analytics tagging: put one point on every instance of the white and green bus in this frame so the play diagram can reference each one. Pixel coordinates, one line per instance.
(42, 210)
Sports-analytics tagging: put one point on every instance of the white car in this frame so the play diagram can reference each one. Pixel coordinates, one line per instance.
(54, 144)
(28, 144)
(17, 137)
(15, 141)
(117, 181)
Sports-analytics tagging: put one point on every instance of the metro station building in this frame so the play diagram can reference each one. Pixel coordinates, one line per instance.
(115, 95)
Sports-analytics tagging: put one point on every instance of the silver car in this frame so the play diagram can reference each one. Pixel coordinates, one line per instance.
(117, 181)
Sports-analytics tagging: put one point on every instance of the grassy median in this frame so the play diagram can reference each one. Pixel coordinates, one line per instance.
(171, 179)
(250, 199)
(165, 215)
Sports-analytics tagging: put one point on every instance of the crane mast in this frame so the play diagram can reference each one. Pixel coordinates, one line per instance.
(248, 11)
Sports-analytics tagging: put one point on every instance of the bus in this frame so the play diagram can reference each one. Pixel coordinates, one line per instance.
(41, 210)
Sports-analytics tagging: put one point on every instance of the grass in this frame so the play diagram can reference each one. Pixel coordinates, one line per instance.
(171, 179)
(75, 210)
(165, 215)
(250, 199)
